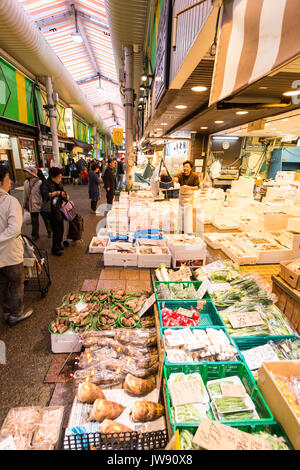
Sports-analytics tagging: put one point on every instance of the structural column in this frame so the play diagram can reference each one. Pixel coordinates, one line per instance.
(128, 53)
(53, 123)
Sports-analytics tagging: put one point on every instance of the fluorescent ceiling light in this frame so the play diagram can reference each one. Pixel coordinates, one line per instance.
(204, 127)
(77, 38)
(263, 87)
(292, 93)
(181, 106)
(267, 124)
(144, 78)
(242, 112)
(219, 122)
(163, 123)
(199, 88)
(285, 119)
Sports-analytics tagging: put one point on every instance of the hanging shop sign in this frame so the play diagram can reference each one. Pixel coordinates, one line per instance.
(5, 143)
(252, 44)
(69, 122)
(163, 52)
(118, 135)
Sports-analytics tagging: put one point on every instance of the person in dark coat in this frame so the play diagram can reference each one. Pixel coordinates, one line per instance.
(54, 195)
(109, 180)
(94, 183)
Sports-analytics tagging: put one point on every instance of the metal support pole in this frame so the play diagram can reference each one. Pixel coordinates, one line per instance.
(53, 124)
(128, 53)
(95, 142)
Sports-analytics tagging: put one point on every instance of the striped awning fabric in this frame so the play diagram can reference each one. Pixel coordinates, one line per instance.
(256, 37)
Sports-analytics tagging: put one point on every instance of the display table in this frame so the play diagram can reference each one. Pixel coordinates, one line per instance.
(288, 301)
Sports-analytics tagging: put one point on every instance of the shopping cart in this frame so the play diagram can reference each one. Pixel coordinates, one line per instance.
(36, 268)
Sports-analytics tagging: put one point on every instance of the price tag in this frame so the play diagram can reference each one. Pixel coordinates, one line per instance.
(232, 390)
(212, 435)
(185, 312)
(181, 274)
(186, 392)
(200, 304)
(203, 288)
(244, 319)
(149, 302)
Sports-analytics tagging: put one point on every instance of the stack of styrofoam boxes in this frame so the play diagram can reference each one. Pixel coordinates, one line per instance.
(114, 258)
(185, 252)
(117, 221)
(285, 177)
(272, 221)
(140, 216)
(153, 260)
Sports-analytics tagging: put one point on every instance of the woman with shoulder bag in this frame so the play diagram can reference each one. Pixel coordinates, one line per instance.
(54, 195)
(32, 201)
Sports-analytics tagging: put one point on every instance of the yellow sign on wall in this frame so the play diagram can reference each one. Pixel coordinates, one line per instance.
(117, 135)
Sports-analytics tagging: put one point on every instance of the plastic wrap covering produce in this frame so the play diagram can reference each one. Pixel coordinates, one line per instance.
(243, 288)
(198, 345)
(103, 377)
(180, 317)
(287, 349)
(176, 291)
(290, 389)
(34, 428)
(274, 322)
(227, 273)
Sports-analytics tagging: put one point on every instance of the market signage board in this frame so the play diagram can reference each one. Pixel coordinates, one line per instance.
(163, 52)
(212, 435)
(69, 122)
(180, 275)
(244, 319)
(118, 135)
(203, 288)
(149, 302)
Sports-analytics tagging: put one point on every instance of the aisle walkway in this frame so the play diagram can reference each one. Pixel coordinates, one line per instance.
(28, 352)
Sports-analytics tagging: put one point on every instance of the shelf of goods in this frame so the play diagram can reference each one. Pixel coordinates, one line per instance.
(211, 365)
(117, 373)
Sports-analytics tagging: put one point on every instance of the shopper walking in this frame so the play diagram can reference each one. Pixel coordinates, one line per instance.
(74, 171)
(109, 180)
(120, 174)
(54, 195)
(11, 255)
(32, 199)
(94, 185)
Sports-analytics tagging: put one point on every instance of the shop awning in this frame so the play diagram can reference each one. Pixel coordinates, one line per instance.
(255, 38)
(81, 144)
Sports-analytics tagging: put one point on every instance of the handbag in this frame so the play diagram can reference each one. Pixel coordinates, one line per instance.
(27, 217)
(68, 211)
(165, 181)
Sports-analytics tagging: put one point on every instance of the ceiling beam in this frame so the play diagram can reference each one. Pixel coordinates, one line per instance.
(50, 20)
(96, 77)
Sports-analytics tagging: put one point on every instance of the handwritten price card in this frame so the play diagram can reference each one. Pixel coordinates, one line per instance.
(212, 435)
(186, 392)
(232, 390)
(181, 274)
(244, 319)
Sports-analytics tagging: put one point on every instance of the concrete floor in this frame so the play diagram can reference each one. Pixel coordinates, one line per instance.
(28, 348)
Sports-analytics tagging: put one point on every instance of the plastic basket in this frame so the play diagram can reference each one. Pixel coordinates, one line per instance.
(209, 315)
(186, 284)
(57, 333)
(273, 428)
(213, 371)
(156, 440)
(238, 357)
(120, 324)
(71, 303)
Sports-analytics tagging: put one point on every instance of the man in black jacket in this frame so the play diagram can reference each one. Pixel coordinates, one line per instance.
(53, 195)
(109, 180)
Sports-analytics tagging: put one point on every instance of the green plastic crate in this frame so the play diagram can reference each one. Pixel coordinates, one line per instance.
(248, 342)
(162, 329)
(273, 428)
(213, 371)
(196, 285)
(209, 315)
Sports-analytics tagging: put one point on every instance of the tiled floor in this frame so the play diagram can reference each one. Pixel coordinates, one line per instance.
(137, 280)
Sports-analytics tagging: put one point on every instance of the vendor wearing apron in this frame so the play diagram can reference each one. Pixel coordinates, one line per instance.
(189, 183)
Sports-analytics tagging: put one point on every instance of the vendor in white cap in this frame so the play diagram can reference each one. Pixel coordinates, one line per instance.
(32, 201)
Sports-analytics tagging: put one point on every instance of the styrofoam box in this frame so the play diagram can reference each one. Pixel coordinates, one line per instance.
(251, 257)
(293, 224)
(290, 239)
(153, 261)
(97, 249)
(276, 256)
(225, 222)
(66, 343)
(119, 259)
(273, 221)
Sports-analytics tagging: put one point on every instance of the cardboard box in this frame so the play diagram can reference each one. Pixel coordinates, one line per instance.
(289, 276)
(290, 239)
(282, 411)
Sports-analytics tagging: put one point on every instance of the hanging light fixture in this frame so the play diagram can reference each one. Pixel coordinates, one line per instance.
(77, 38)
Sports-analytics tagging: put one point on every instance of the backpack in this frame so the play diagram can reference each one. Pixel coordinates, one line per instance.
(76, 228)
